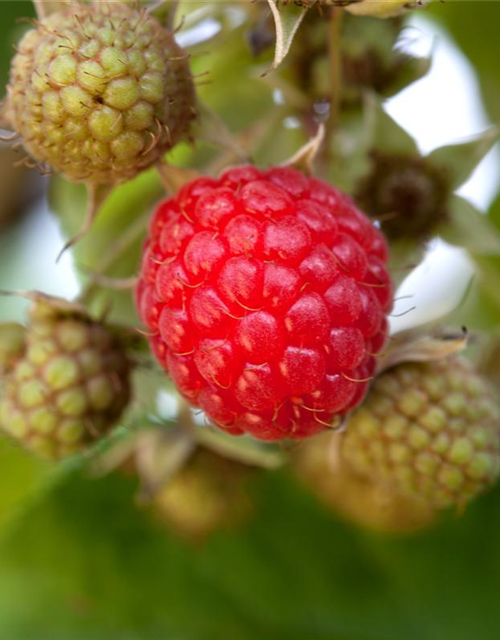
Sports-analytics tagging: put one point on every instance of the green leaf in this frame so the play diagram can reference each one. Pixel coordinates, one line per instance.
(460, 160)
(385, 134)
(165, 11)
(210, 128)
(287, 20)
(350, 150)
(470, 229)
(494, 212)
(489, 275)
(480, 311)
(413, 68)
(22, 479)
(11, 32)
(87, 564)
(474, 27)
(113, 245)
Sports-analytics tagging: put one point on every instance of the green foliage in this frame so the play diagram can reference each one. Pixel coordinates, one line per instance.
(112, 247)
(470, 229)
(461, 159)
(10, 32)
(86, 564)
(474, 26)
(22, 478)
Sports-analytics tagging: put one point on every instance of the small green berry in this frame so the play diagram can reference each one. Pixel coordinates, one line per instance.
(210, 493)
(440, 441)
(100, 92)
(67, 385)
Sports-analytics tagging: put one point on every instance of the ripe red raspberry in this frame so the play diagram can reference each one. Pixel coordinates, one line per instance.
(265, 293)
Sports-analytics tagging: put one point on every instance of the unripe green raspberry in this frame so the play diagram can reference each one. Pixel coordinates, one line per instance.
(12, 336)
(353, 496)
(208, 494)
(407, 193)
(429, 431)
(100, 92)
(69, 384)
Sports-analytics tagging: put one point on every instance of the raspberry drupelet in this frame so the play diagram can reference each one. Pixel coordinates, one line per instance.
(265, 294)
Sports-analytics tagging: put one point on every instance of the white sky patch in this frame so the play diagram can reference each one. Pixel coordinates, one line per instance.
(442, 108)
(37, 243)
(167, 405)
(203, 31)
(432, 290)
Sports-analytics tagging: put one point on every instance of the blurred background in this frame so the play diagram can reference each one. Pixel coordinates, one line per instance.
(81, 559)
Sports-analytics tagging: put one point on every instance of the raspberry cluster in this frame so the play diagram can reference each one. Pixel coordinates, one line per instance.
(100, 92)
(266, 295)
(428, 431)
(66, 385)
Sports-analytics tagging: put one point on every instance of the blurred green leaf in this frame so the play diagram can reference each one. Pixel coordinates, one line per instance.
(479, 311)
(474, 26)
(287, 20)
(413, 69)
(489, 275)
(235, 90)
(22, 478)
(494, 212)
(386, 135)
(11, 32)
(350, 148)
(469, 228)
(460, 160)
(113, 245)
(86, 565)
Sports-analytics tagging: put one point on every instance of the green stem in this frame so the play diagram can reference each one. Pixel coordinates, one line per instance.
(133, 233)
(335, 72)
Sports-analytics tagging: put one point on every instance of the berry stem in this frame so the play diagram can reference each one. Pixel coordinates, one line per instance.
(335, 71)
(131, 234)
(96, 195)
(40, 8)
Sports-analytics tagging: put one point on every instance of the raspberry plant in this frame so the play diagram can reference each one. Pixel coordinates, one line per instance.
(236, 387)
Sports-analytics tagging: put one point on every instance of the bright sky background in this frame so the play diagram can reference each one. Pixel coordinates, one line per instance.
(444, 107)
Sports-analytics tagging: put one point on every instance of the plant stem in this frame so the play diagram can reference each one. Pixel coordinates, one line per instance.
(132, 234)
(335, 72)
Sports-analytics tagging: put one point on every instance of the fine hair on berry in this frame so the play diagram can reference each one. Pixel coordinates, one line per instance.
(265, 294)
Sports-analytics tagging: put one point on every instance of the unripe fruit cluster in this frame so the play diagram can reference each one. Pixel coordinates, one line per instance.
(67, 387)
(429, 431)
(353, 496)
(208, 494)
(100, 92)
